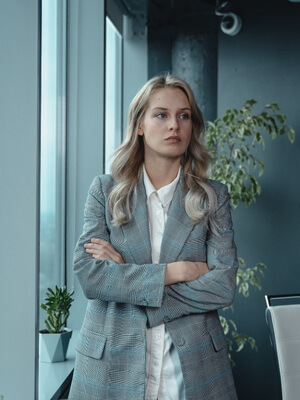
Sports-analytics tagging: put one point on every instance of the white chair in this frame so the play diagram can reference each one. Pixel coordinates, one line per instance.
(284, 326)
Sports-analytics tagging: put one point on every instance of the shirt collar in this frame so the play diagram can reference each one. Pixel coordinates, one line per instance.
(165, 193)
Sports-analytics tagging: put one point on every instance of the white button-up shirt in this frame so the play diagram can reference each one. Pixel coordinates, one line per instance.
(164, 379)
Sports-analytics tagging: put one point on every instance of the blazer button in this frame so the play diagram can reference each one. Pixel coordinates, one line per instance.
(166, 319)
(180, 341)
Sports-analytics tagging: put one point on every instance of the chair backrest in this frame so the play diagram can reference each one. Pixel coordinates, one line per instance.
(284, 326)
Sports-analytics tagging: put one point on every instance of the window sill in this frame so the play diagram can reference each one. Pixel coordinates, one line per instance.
(55, 377)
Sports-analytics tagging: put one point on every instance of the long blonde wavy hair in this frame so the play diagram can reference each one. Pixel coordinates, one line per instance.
(129, 157)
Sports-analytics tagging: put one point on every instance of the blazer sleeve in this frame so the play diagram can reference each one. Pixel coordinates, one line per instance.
(105, 279)
(216, 288)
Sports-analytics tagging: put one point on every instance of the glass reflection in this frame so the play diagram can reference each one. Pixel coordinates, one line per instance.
(113, 92)
(53, 151)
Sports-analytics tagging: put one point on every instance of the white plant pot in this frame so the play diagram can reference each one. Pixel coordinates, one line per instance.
(54, 346)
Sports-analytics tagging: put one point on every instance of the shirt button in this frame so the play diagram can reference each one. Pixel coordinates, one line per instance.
(158, 212)
(157, 336)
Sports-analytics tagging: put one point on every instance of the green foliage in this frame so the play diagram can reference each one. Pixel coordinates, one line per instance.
(247, 277)
(233, 141)
(236, 341)
(57, 305)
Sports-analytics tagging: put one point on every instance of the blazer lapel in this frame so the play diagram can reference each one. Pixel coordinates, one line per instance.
(136, 231)
(178, 226)
(177, 229)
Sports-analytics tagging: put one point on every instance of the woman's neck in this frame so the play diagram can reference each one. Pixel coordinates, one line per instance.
(162, 173)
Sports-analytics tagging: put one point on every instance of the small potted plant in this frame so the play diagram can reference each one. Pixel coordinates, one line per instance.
(54, 340)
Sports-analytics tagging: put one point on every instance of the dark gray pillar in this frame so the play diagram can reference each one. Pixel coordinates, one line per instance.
(194, 59)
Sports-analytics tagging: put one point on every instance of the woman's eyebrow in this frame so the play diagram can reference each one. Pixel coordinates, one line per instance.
(165, 109)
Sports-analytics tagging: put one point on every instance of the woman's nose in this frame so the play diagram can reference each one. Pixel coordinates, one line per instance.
(173, 124)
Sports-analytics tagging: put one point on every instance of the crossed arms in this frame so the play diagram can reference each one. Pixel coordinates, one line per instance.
(168, 290)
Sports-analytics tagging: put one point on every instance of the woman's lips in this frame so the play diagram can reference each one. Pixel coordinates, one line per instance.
(173, 139)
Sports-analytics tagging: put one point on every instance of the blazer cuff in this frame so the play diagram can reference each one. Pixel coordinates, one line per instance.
(163, 314)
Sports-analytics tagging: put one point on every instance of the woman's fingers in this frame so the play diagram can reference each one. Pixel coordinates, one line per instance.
(103, 253)
(102, 250)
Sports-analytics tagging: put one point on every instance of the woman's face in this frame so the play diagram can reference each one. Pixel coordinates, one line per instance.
(167, 125)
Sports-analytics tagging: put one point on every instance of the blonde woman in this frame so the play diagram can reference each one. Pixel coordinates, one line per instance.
(156, 261)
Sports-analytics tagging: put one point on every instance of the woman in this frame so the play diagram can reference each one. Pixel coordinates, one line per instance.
(156, 260)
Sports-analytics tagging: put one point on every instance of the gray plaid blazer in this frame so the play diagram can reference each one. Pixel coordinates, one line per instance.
(125, 299)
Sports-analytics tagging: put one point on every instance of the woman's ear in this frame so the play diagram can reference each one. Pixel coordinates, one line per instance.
(140, 131)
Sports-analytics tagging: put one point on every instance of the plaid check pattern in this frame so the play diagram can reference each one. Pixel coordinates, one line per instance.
(124, 299)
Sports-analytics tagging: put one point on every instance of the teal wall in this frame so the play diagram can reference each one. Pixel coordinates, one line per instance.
(19, 139)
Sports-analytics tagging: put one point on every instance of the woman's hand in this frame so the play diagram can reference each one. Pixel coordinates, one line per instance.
(102, 250)
(184, 271)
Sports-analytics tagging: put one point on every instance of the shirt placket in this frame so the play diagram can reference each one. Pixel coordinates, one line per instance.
(156, 333)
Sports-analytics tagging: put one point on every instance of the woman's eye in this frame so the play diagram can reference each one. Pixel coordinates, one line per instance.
(184, 116)
(161, 115)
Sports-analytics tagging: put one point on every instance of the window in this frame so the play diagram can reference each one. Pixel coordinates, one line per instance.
(53, 146)
(113, 91)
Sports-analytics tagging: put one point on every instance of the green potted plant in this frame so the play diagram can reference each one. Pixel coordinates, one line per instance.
(54, 340)
(233, 140)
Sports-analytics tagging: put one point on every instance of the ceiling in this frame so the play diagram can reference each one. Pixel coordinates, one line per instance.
(169, 12)
(165, 8)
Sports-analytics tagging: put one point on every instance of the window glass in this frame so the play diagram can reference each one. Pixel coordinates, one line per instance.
(113, 91)
(53, 150)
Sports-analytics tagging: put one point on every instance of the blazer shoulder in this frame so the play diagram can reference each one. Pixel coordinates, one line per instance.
(221, 191)
(102, 185)
(218, 187)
